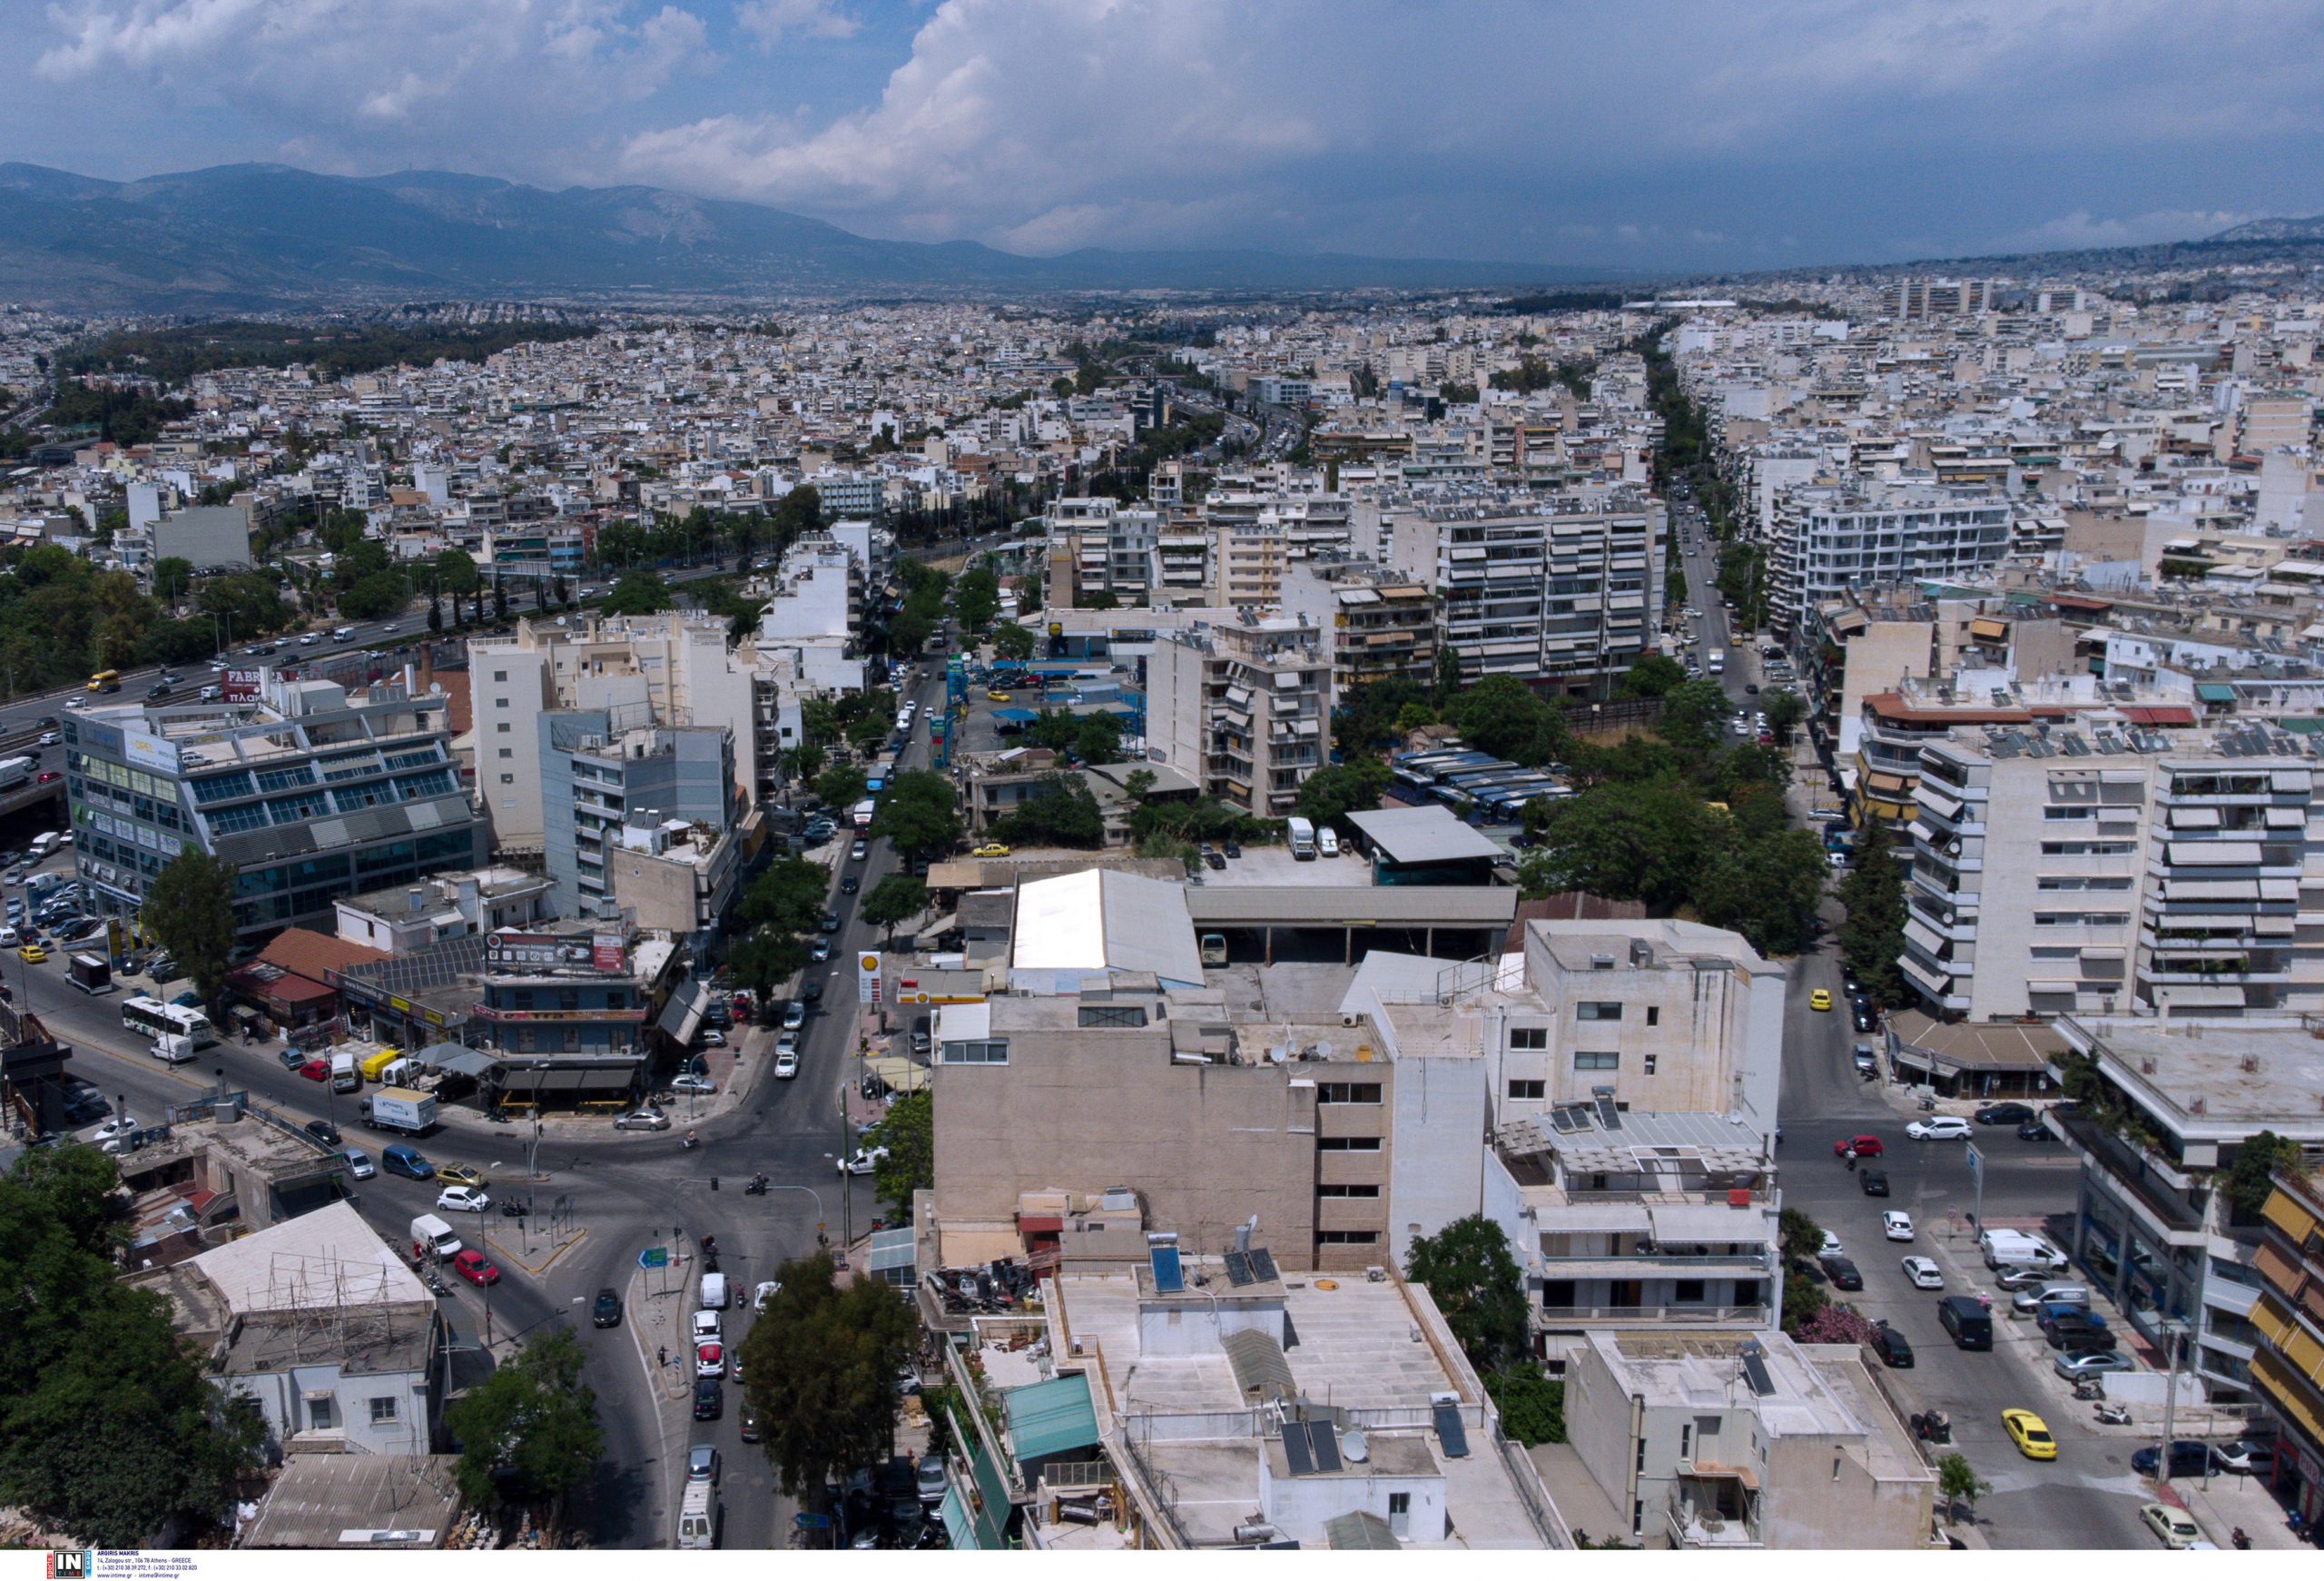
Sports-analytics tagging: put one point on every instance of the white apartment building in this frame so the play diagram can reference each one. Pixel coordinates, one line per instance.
(817, 596)
(1098, 545)
(2105, 866)
(1826, 538)
(1243, 709)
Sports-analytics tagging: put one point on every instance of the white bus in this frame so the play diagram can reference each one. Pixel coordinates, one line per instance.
(153, 1018)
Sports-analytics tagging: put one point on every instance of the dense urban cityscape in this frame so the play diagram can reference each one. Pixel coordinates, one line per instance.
(1045, 913)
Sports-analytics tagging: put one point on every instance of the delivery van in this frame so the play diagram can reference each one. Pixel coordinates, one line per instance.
(713, 1292)
(432, 1238)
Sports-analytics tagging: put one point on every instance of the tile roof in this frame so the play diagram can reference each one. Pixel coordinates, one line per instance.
(318, 957)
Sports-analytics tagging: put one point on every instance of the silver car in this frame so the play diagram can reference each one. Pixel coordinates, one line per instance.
(2090, 1364)
(642, 1120)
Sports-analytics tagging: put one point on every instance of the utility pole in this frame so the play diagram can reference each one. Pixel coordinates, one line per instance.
(2173, 1341)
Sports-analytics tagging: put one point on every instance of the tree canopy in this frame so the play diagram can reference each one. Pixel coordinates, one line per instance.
(190, 908)
(908, 1131)
(897, 898)
(821, 1363)
(638, 593)
(529, 1433)
(1872, 935)
(919, 814)
(1476, 1283)
(1061, 811)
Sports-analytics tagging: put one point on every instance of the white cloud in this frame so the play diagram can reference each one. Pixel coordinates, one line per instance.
(768, 20)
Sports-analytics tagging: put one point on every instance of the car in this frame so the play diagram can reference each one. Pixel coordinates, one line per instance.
(1892, 1347)
(642, 1119)
(46, 777)
(2246, 1456)
(459, 1175)
(712, 1038)
(311, 639)
(1924, 1273)
(2014, 1278)
(31, 954)
(323, 1132)
(2189, 1458)
(795, 1015)
(1751, 690)
(2004, 1114)
(2030, 1432)
(1843, 1274)
(605, 1313)
(462, 1199)
(786, 1064)
(49, 738)
(75, 704)
(1820, 999)
(709, 1359)
(1862, 1018)
(1938, 1127)
(359, 1163)
(1213, 860)
(1831, 1246)
(314, 1069)
(389, 629)
(703, 1464)
(2080, 1333)
(817, 950)
(1865, 1146)
(2077, 1365)
(2175, 1526)
(850, 885)
(929, 1478)
(862, 1160)
(1234, 851)
(990, 848)
(399, 1159)
(859, 851)
(995, 695)
(1874, 1181)
(830, 925)
(474, 1267)
(709, 1400)
(2037, 1130)
(1896, 1224)
(690, 1083)
(119, 1125)
(706, 1323)
(157, 691)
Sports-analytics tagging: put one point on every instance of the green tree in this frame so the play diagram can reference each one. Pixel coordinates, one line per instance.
(765, 957)
(190, 908)
(1413, 717)
(804, 761)
(897, 898)
(789, 896)
(908, 1131)
(1330, 793)
(1693, 715)
(1504, 716)
(1012, 641)
(1786, 710)
(171, 578)
(1139, 784)
(375, 597)
(638, 593)
(528, 1434)
(1477, 1285)
(1767, 889)
(1448, 680)
(822, 1367)
(917, 814)
(1654, 674)
(1798, 1236)
(1625, 841)
(1957, 1483)
(1531, 1403)
(1060, 812)
(841, 786)
(976, 599)
(1872, 936)
(2249, 1177)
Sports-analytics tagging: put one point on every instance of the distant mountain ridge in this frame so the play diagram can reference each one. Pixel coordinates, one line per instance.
(2309, 230)
(241, 236)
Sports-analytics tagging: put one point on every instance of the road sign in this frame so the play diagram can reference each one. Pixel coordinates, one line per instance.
(1977, 1164)
(654, 1257)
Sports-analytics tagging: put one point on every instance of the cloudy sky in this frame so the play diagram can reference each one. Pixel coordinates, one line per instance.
(1682, 133)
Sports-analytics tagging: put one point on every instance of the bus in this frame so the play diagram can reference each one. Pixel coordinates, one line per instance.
(153, 1018)
(106, 681)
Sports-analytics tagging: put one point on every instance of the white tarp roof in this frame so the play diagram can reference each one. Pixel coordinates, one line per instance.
(326, 1259)
(1100, 921)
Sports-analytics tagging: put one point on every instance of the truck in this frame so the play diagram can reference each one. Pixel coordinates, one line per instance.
(865, 810)
(1302, 839)
(400, 1109)
(378, 1061)
(344, 1076)
(698, 1517)
(92, 975)
(432, 1238)
(14, 771)
(173, 1048)
(1715, 661)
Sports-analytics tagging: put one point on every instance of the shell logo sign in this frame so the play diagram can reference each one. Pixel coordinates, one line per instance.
(867, 977)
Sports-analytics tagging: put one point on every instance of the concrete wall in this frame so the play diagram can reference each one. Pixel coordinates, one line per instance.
(509, 689)
(205, 535)
(1436, 1172)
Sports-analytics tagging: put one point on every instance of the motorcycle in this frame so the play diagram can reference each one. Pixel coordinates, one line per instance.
(689, 1142)
(2090, 1388)
(2113, 1414)
(512, 1209)
(757, 1188)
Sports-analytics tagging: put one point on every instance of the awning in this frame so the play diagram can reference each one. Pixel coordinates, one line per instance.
(2050, 985)
(681, 1013)
(1946, 807)
(2194, 818)
(569, 1078)
(473, 1064)
(1697, 1224)
(900, 1074)
(2286, 1214)
(2213, 692)
(1049, 1419)
(2214, 854)
(1595, 1218)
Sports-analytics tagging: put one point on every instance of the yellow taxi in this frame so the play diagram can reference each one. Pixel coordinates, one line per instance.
(996, 695)
(459, 1175)
(2030, 1432)
(1820, 999)
(990, 848)
(31, 954)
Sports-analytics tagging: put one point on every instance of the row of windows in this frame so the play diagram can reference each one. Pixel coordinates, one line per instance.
(1351, 1191)
(1347, 1144)
(1347, 1091)
(1347, 1238)
(985, 1052)
(2097, 881)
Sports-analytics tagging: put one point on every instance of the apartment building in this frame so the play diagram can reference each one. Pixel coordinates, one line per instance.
(601, 778)
(1380, 625)
(1827, 538)
(2152, 1228)
(1096, 545)
(2288, 1363)
(312, 790)
(447, 906)
(2121, 862)
(1243, 709)
(817, 596)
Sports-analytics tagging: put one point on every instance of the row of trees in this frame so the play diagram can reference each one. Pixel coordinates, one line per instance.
(61, 618)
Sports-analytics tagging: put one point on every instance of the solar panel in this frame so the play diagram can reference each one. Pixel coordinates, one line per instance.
(1450, 1430)
(1326, 1440)
(1608, 1115)
(1755, 1367)
(1263, 1267)
(1169, 1276)
(1238, 1269)
(1296, 1450)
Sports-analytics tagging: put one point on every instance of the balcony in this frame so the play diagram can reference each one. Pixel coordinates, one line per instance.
(1714, 1507)
(2130, 1172)
(1622, 1316)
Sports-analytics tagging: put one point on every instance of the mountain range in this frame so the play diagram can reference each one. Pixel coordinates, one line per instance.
(243, 236)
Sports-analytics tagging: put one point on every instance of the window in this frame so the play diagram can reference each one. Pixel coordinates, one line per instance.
(383, 1409)
(1654, 1015)
(985, 1052)
(1650, 1064)
(323, 1412)
(1347, 1238)
(1528, 1037)
(1602, 1061)
(1344, 1143)
(507, 752)
(1598, 1009)
(1120, 1015)
(1523, 1089)
(1365, 1192)
(507, 779)
(1347, 1091)
(501, 728)
(500, 676)
(1687, 1292)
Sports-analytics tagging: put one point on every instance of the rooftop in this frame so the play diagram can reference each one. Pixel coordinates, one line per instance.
(357, 1501)
(2227, 1078)
(1414, 834)
(1712, 1372)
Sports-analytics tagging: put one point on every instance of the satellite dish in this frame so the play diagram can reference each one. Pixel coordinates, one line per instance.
(1323, 1051)
(1353, 1449)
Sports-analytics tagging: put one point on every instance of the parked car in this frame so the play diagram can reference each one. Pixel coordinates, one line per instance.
(1938, 1127)
(2004, 1114)
(786, 1064)
(323, 1132)
(1874, 1181)
(2189, 1458)
(462, 1199)
(2251, 1457)
(313, 1070)
(1892, 1347)
(474, 1267)
(1924, 1273)
(709, 1400)
(606, 1312)
(642, 1119)
(1831, 1246)
(712, 1038)
(929, 1478)
(1843, 1274)
(2077, 1365)
(1897, 1225)
(2014, 1278)
(703, 1464)
(2176, 1527)
(690, 1083)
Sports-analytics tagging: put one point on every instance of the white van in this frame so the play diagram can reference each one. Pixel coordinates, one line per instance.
(44, 844)
(431, 1237)
(2004, 1246)
(714, 1292)
(342, 633)
(698, 1517)
(1327, 842)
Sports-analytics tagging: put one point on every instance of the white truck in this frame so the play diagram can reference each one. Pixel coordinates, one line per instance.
(698, 1517)
(14, 771)
(400, 1109)
(344, 1076)
(1715, 661)
(173, 1048)
(1302, 839)
(432, 1238)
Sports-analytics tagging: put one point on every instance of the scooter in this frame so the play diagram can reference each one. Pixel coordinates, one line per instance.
(757, 1188)
(689, 1142)
(2113, 1414)
(2090, 1388)
(512, 1209)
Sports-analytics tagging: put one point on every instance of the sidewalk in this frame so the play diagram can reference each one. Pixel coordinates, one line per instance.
(661, 1305)
(2232, 1501)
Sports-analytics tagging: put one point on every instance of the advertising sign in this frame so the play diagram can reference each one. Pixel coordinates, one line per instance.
(867, 977)
(606, 952)
(241, 686)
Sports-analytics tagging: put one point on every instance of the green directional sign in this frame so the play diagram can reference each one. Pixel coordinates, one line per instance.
(654, 1257)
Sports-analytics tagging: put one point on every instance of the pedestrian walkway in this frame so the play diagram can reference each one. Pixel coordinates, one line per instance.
(661, 1304)
(2222, 1503)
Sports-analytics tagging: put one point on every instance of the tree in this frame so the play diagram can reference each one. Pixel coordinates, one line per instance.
(1012, 641)
(1625, 841)
(1098, 738)
(795, 515)
(789, 896)
(529, 1434)
(1957, 1483)
(1329, 795)
(908, 1131)
(435, 612)
(2248, 1181)
(822, 1365)
(1476, 1284)
(1767, 889)
(374, 597)
(1060, 812)
(804, 762)
(976, 599)
(111, 1429)
(897, 898)
(1786, 710)
(1654, 674)
(917, 814)
(841, 786)
(766, 956)
(171, 578)
(1448, 680)
(191, 909)
(1693, 715)
(1504, 716)
(456, 573)
(1799, 1237)
(1872, 936)
(1531, 1403)
(638, 593)
(500, 599)
(1139, 784)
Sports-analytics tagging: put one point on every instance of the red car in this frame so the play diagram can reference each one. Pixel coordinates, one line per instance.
(742, 1007)
(315, 1070)
(1864, 1147)
(47, 775)
(472, 1266)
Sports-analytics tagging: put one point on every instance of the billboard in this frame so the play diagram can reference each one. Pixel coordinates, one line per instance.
(242, 686)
